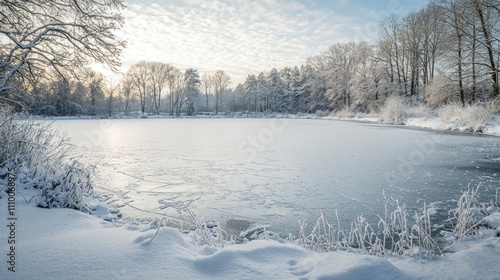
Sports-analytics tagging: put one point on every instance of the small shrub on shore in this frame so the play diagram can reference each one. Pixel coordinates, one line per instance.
(398, 232)
(394, 111)
(472, 118)
(395, 233)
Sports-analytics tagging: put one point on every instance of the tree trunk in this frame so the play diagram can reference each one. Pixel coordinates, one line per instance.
(460, 79)
(487, 37)
(474, 93)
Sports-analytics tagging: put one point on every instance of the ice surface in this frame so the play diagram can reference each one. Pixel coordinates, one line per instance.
(269, 171)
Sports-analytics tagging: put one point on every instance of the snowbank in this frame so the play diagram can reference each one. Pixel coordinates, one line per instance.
(491, 126)
(67, 244)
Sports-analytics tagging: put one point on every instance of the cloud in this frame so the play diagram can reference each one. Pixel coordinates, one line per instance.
(240, 37)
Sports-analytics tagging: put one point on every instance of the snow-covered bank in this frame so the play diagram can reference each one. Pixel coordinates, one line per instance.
(63, 244)
(451, 117)
(421, 117)
(491, 128)
(435, 123)
(235, 115)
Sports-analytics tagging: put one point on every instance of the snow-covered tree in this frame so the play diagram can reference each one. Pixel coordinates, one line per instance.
(139, 75)
(276, 92)
(207, 85)
(126, 93)
(57, 34)
(158, 79)
(191, 83)
(96, 92)
(251, 89)
(220, 83)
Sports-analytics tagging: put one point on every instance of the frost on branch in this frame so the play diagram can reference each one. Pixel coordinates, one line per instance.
(57, 34)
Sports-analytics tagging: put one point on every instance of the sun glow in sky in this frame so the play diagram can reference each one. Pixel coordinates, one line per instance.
(245, 37)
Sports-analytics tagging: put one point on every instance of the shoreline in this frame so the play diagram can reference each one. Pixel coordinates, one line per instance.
(426, 123)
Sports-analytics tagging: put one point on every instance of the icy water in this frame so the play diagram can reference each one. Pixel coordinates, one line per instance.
(273, 171)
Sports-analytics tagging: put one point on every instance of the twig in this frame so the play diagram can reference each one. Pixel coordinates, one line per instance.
(157, 230)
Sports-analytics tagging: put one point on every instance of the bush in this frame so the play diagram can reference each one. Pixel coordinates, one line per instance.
(396, 233)
(420, 111)
(394, 111)
(493, 106)
(440, 90)
(470, 118)
(322, 113)
(467, 216)
(40, 157)
(346, 113)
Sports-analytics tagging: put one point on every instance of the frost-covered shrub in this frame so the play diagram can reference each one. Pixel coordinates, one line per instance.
(470, 118)
(420, 111)
(210, 233)
(40, 157)
(349, 113)
(467, 217)
(346, 113)
(322, 113)
(440, 90)
(394, 111)
(395, 233)
(493, 106)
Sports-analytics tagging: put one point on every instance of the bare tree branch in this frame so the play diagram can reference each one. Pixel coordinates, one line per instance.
(58, 33)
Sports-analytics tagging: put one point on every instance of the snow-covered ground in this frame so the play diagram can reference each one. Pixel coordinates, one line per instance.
(450, 118)
(67, 244)
(492, 128)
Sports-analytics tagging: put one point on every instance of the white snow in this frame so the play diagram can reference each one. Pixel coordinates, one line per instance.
(437, 124)
(67, 244)
(492, 127)
(493, 220)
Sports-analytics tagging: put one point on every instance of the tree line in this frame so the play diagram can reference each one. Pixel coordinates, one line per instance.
(447, 52)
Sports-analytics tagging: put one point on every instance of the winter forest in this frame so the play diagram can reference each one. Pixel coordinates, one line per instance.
(448, 52)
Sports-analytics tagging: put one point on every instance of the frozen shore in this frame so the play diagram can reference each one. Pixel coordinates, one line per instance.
(62, 243)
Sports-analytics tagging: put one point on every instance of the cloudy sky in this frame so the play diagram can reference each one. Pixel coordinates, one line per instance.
(245, 37)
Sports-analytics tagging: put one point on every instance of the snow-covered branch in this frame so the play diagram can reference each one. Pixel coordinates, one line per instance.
(58, 34)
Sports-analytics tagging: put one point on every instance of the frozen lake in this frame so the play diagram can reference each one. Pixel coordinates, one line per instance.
(273, 171)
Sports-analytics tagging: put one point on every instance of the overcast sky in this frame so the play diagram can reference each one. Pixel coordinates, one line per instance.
(245, 37)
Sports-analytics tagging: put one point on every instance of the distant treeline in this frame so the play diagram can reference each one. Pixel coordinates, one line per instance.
(447, 52)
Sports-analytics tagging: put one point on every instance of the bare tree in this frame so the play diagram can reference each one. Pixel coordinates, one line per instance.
(433, 31)
(390, 46)
(159, 73)
(112, 87)
(96, 91)
(60, 34)
(175, 82)
(207, 84)
(479, 6)
(220, 83)
(126, 86)
(454, 15)
(139, 75)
